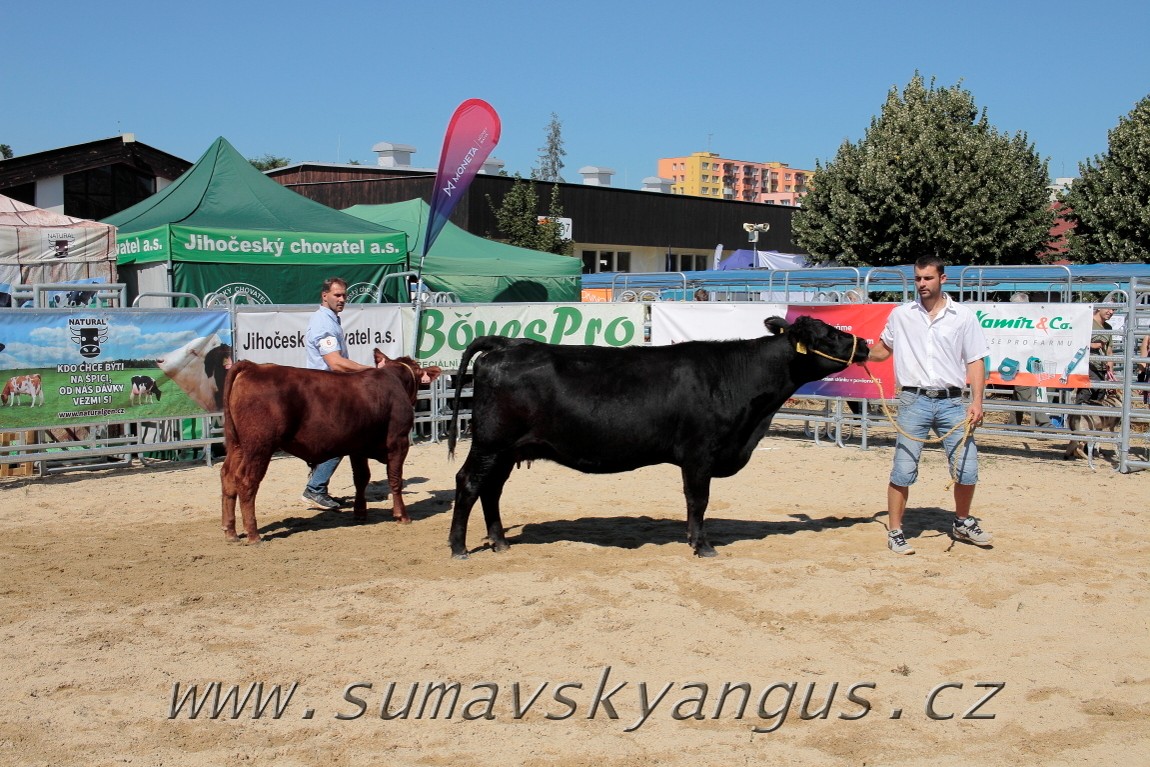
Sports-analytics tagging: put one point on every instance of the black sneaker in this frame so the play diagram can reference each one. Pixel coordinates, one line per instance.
(323, 500)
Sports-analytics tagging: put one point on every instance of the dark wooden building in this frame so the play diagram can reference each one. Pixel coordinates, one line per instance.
(612, 229)
(92, 180)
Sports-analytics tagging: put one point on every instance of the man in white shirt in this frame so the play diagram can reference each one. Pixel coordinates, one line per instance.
(939, 347)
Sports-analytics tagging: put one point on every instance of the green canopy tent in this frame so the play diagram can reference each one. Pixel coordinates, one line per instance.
(223, 230)
(475, 269)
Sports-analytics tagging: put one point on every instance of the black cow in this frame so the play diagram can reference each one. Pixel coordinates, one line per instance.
(144, 389)
(700, 405)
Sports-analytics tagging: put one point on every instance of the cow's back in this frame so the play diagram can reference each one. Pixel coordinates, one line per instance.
(313, 414)
(599, 409)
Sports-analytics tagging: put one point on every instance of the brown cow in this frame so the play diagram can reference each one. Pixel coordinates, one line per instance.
(26, 385)
(316, 415)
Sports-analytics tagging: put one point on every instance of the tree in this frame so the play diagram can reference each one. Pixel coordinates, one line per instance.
(1109, 203)
(930, 177)
(519, 221)
(6, 152)
(268, 162)
(551, 154)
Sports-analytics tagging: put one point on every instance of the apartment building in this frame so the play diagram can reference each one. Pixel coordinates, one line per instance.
(705, 174)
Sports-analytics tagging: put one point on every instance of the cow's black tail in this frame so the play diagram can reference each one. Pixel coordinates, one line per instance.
(231, 436)
(481, 344)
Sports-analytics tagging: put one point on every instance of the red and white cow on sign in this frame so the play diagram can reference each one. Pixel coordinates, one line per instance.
(29, 385)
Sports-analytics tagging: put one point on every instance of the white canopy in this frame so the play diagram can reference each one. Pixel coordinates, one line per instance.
(38, 246)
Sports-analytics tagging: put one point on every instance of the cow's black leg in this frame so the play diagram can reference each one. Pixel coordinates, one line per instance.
(467, 482)
(697, 489)
(490, 493)
(482, 476)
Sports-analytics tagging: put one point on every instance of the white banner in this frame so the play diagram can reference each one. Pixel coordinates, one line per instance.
(1037, 344)
(449, 328)
(672, 323)
(278, 336)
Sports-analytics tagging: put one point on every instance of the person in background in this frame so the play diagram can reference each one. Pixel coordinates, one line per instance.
(326, 349)
(938, 348)
(1100, 345)
(1029, 394)
(1144, 369)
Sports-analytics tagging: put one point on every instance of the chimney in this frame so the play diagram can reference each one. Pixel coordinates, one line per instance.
(657, 184)
(393, 155)
(492, 166)
(596, 176)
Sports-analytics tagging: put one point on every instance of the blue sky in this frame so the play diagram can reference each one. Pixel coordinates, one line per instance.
(630, 81)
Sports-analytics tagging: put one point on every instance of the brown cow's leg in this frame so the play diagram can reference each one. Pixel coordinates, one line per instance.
(396, 455)
(697, 489)
(247, 476)
(360, 474)
(228, 494)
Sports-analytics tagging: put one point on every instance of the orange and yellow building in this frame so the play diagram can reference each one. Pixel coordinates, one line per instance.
(705, 174)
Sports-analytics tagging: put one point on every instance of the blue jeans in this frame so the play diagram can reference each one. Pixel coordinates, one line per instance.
(321, 475)
(917, 416)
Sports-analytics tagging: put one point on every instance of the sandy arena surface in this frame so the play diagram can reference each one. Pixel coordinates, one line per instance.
(119, 592)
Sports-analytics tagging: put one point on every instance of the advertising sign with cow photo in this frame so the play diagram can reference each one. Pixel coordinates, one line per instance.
(66, 368)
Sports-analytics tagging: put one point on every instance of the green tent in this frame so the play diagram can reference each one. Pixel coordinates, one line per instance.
(475, 269)
(224, 230)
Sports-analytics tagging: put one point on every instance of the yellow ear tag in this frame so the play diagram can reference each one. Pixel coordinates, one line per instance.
(800, 347)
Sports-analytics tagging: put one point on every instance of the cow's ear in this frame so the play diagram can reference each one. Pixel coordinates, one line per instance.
(777, 325)
(803, 333)
(432, 372)
(378, 356)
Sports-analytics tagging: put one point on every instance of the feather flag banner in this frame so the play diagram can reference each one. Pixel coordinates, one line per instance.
(471, 136)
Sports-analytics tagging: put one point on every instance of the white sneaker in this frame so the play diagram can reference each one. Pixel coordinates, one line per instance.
(969, 531)
(896, 542)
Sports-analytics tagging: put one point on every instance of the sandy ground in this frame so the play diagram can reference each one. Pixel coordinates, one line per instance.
(119, 593)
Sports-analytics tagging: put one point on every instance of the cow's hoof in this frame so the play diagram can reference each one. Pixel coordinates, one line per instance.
(403, 520)
(253, 541)
(500, 546)
(464, 555)
(231, 538)
(706, 551)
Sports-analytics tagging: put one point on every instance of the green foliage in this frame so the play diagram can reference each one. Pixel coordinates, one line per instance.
(268, 162)
(1109, 203)
(518, 219)
(551, 154)
(930, 177)
(6, 152)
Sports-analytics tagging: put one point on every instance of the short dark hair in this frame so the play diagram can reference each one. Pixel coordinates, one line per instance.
(936, 261)
(330, 281)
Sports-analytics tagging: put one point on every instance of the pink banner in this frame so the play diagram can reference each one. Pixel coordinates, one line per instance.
(867, 322)
(471, 135)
